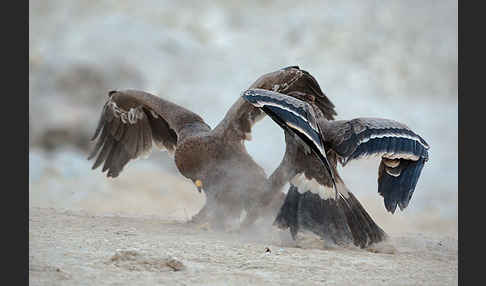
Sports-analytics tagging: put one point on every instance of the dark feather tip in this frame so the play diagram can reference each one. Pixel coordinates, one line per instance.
(399, 190)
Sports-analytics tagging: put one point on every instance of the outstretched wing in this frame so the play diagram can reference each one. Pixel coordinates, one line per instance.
(295, 117)
(403, 153)
(131, 120)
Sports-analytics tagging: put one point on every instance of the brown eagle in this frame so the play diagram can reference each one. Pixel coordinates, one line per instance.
(216, 159)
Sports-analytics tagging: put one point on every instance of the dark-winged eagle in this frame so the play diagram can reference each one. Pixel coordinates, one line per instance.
(216, 159)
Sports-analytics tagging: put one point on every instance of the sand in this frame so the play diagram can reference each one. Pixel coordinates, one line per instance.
(85, 229)
(76, 248)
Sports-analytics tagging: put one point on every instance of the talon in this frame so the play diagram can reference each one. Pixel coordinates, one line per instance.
(199, 185)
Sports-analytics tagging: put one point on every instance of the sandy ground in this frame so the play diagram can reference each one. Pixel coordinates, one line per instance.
(75, 248)
(85, 229)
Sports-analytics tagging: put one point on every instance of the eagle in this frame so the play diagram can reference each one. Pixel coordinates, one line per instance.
(216, 160)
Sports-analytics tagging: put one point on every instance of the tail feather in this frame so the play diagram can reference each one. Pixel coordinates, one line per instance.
(325, 218)
(343, 221)
(288, 213)
(365, 231)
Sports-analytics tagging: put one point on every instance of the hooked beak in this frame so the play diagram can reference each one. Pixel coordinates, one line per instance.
(198, 184)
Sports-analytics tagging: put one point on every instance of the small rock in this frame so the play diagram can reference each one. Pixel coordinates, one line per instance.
(175, 264)
(133, 260)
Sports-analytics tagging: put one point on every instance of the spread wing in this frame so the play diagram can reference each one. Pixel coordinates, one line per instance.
(403, 153)
(131, 120)
(296, 117)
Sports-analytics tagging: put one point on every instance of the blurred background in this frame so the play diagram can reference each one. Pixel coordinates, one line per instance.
(391, 59)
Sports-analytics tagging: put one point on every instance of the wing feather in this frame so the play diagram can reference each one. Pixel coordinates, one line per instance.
(294, 116)
(107, 146)
(99, 143)
(146, 136)
(403, 153)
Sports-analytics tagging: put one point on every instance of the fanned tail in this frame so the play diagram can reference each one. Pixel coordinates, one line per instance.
(343, 221)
